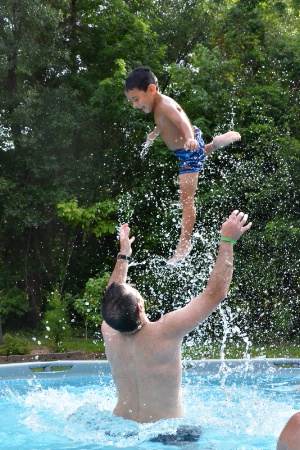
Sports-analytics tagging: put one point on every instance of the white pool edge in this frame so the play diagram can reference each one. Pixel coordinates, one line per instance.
(51, 369)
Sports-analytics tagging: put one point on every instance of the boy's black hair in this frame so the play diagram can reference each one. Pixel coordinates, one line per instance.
(140, 78)
(120, 310)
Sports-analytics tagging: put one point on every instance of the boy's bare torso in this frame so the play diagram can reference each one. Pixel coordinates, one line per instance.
(146, 368)
(169, 131)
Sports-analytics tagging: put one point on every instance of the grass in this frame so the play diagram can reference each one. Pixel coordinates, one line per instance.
(231, 350)
(275, 350)
(71, 344)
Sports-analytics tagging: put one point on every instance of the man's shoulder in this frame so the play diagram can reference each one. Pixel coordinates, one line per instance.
(159, 334)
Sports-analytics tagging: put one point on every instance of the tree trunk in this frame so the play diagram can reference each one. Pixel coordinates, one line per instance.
(34, 298)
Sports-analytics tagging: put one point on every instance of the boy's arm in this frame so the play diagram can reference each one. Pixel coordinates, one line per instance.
(119, 273)
(153, 135)
(182, 321)
(176, 115)
(221, 141)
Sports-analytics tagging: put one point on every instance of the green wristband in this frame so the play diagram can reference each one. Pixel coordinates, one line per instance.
(228, 240)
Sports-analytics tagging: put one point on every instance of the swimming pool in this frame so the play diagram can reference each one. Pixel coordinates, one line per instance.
(239, 404)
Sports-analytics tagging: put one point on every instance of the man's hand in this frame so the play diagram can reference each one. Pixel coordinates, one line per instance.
(125, 241)
(235, 226)
(119, 273)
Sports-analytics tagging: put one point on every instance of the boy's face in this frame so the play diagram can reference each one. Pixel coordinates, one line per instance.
(142, 100)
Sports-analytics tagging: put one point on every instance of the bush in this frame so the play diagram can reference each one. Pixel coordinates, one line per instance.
(14, 345)
(89, 307)
(56, 321)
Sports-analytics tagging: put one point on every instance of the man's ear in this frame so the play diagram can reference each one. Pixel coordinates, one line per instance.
(140, 307)
(152, 89)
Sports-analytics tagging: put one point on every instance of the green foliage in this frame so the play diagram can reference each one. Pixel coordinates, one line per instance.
(56, 321)
(67, 132)
(13, 301)
(92, 219)
(89, 307)
(14, 345)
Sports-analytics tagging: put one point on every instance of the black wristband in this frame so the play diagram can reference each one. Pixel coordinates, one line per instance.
(120, 256)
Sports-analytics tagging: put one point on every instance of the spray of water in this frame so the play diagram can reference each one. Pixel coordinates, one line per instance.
(145, 149)
(78, 416)
(166, 287)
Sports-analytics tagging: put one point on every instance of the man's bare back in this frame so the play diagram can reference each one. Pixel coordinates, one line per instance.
(146, 368)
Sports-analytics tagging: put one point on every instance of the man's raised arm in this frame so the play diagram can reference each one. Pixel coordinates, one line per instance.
(119, 273)
(220, 277)
(182, 321)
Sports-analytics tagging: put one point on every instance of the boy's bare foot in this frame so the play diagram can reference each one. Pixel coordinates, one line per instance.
(225, 139)
(181, 252)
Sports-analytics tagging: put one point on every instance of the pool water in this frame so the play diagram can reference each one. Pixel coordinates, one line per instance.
(237, 410)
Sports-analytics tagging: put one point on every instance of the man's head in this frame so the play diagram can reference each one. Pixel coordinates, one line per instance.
(121, 307)
(141, 87)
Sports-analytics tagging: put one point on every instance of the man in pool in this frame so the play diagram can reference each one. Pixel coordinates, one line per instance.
(145, 357)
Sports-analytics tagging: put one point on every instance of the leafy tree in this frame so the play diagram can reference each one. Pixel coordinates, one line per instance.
(89, 307)
(73, 165)
(56, 321)
(92, 219)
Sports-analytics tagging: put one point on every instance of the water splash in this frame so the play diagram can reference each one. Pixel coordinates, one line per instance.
(78, 414)
(145, 149)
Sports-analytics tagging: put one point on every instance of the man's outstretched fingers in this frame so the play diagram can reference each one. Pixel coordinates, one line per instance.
(243, 220)
(234, 214)
(246, 227)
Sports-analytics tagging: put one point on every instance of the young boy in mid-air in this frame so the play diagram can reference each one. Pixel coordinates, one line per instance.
(185, 141)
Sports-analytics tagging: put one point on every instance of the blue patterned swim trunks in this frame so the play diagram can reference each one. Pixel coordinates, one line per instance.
(192, 161)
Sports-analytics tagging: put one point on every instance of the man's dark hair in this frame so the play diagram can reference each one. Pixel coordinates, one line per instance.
(120, 310)
(140, 78)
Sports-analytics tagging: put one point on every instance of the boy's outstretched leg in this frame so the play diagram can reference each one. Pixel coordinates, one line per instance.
(222, 140)
(187, 187)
